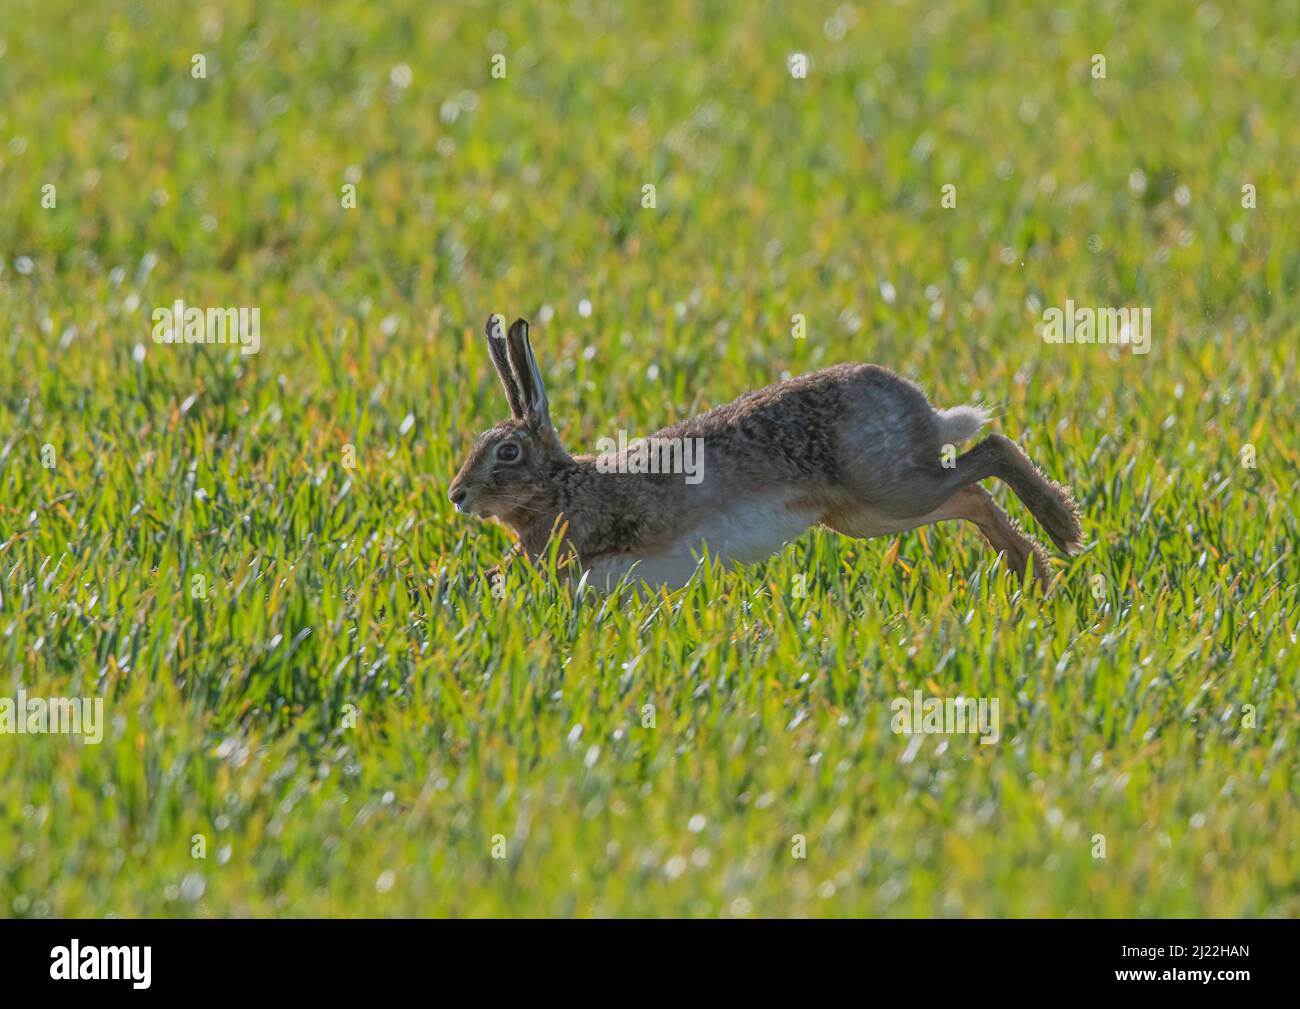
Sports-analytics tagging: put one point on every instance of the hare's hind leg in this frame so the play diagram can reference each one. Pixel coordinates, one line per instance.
(976, 505)
(1050, 503)
(972, 503)
(925, 489)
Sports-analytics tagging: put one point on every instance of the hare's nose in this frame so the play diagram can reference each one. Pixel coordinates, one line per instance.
(457, 495)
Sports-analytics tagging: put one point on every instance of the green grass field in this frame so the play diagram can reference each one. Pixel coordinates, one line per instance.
(335, 744)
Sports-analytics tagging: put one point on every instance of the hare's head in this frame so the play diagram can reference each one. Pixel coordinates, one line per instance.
(511, 467)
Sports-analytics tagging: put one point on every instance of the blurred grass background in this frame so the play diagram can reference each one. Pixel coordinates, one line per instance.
(1121, 696)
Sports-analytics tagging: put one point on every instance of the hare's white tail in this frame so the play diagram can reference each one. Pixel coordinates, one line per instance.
(960, 423)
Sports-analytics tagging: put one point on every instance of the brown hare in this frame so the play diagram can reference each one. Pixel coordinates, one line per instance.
(854, 447)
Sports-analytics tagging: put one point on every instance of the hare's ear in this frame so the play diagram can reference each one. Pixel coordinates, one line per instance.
(496, 339)
(536, 407)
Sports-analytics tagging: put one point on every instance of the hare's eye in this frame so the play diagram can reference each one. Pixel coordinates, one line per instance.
(507, 451)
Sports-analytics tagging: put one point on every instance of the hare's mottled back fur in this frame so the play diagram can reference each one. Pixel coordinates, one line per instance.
(854, 447)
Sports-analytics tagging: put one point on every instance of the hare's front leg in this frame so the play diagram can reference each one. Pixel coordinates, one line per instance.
(494, 578)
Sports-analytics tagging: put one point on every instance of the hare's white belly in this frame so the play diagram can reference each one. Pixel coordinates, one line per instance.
(747, 533)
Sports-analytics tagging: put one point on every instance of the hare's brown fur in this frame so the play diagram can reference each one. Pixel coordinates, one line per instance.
(854, 447)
